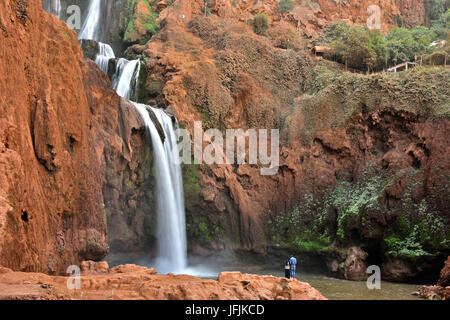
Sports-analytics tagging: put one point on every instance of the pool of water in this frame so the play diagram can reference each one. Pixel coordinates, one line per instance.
(338, 289)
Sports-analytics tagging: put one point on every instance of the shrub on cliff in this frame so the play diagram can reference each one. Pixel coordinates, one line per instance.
(260, 23)
(285, 6)
(139, 22)
(285, 36)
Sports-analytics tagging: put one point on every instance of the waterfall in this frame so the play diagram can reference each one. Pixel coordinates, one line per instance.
(105, 53)
(171, 232)
(127, 73)
(91, 24)
(53, 7)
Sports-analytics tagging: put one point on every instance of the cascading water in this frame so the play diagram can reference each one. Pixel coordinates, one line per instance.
(53, 7)
(171, 232)
(105, 53)
(127, 73)
(91, 25)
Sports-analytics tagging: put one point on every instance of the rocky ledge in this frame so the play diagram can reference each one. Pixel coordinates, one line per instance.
(130, 282)
(442, 290)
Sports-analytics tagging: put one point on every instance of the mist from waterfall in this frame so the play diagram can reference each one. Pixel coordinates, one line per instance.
(171, 231)
(91, 25)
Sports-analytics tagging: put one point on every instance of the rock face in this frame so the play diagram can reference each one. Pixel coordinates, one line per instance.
(442, 289)
(311, 17)
(61, 135)
(131, 282)
(444, 279)
(360, 152)
(351, 266)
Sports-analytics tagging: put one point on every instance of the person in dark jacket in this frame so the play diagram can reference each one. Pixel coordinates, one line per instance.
(287, 268)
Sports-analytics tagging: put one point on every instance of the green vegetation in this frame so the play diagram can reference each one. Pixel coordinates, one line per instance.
(363, 49)
(147, 21)
(345, 212)
(201, 231)
(435, 8)
(285, 6)
(344, 95)
(260, 23)
(207, 7)
(418, 231)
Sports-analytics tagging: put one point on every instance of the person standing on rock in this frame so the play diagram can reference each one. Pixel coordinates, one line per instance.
(287, 268)
(293, 263)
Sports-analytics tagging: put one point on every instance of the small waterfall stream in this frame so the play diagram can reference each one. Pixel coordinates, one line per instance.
(91, 26)
(105, 53)
(127, 74)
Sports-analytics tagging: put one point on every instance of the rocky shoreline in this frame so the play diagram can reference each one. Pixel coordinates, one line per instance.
(132, 282)
(441, 291)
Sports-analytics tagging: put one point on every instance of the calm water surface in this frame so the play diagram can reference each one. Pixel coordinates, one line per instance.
(337, 289)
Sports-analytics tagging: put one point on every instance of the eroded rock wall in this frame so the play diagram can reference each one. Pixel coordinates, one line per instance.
(340, 132)
(61, 126)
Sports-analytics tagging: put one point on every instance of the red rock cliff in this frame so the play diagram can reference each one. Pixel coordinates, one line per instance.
(59, 121)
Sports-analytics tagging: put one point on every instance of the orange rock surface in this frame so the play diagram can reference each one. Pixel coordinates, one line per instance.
(132, 282)
(60, 124)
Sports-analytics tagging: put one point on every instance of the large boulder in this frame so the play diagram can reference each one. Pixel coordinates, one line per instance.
(350, 266)
(355, 265)
(432, 292)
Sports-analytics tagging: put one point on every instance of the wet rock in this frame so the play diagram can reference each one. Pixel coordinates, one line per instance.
(432, 292)
(351, 265)
(397, 270)
(355, 265)
(112, 68)
(90, 48)
(157, 124)
(444, 279)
